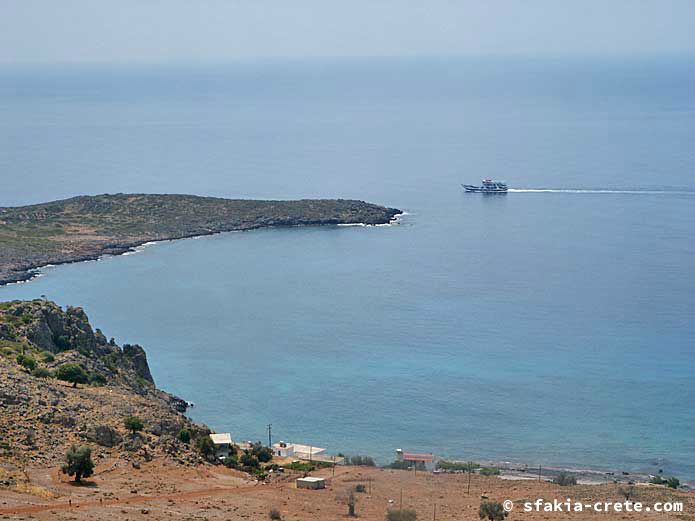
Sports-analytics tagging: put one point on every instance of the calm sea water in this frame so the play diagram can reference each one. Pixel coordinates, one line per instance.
(542, 327)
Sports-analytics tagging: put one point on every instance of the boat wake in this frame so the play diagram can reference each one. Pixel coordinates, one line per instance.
(599, 191)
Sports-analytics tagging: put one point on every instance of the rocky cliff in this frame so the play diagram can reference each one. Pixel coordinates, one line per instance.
(41, 415)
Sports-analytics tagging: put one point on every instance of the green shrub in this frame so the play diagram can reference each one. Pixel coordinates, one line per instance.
(364, 461)
(72, 373)
(406, 514)
(97, 379)
(457, 466)
(673, 482)
(360, 488)
(492, 510)
(205, 445)
(133, 424)
(300, 466)
(231, 461)
(249, 461)
(184, 436)
(112, 360)
(490, 471)
(263, 454)
(47, 357)
(274, 514)
(565, 479)
(26, 362)
(78, 462)
(41, 372)
(399, 465)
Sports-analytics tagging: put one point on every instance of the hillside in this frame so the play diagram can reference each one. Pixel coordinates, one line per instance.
(86, 227)
(154, 475)
(42, 416)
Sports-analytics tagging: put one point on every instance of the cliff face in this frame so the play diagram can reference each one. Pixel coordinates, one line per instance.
(40, 415)
(86, 227)
(42, 326)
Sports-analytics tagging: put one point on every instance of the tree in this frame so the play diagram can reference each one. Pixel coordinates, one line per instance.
(40, 372)
(366, 461)
(205, 445)
(184, 436)
(78, 462)
(263, 454)
(72, 373)
(673, 482)
(26, 362)
(492, 510)
(133, 424)
(231, 461)
(249, 461)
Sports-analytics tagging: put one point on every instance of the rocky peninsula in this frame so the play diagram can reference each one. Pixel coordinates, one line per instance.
(45, 408)
(87, 227)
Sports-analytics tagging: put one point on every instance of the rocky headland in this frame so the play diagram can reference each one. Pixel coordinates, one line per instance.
(87, 227)
(43, 415)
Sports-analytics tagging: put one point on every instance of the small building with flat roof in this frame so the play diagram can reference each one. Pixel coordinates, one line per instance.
(418, 460)
(297, 450)
(223, 444)
(311, 483)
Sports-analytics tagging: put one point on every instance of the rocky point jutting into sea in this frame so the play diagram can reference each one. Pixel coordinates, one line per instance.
(42, 416)
(87, 227)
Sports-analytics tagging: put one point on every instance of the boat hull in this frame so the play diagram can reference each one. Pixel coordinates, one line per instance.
(480, 190)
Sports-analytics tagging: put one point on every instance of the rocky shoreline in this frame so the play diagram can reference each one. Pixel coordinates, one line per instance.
(42, 414)
(86, 228)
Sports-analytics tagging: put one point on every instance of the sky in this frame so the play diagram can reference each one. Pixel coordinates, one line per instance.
(143, 31)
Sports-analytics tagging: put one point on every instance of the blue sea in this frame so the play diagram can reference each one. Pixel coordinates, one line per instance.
(554, 325)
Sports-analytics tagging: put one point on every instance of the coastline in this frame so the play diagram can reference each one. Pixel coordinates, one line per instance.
(90, 227)
(512, 471)
(34, 272)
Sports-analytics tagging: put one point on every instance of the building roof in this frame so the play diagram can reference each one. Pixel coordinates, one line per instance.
(311, 479)
(414, 456)
(221, 438)
(298, 447)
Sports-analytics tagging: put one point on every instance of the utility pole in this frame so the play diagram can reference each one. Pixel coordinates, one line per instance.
(400, 508)
(540, 468)
(333, 466)
(434, 514)
(270, 436)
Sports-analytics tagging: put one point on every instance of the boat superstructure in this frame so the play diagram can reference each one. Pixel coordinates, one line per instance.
(488, 187)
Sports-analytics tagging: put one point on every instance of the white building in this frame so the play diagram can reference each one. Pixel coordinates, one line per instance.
(298, 451)
(311, 483)
(223, 444)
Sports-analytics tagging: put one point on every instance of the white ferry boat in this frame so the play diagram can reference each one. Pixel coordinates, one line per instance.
(488, 187)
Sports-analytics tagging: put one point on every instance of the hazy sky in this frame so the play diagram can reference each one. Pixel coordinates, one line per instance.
(213, 30)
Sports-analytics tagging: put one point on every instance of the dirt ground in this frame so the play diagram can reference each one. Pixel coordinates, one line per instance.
(165, 491)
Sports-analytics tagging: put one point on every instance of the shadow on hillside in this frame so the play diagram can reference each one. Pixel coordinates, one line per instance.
(85, 483)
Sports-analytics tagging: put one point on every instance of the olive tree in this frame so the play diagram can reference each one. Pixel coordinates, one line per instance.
(78, 462)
